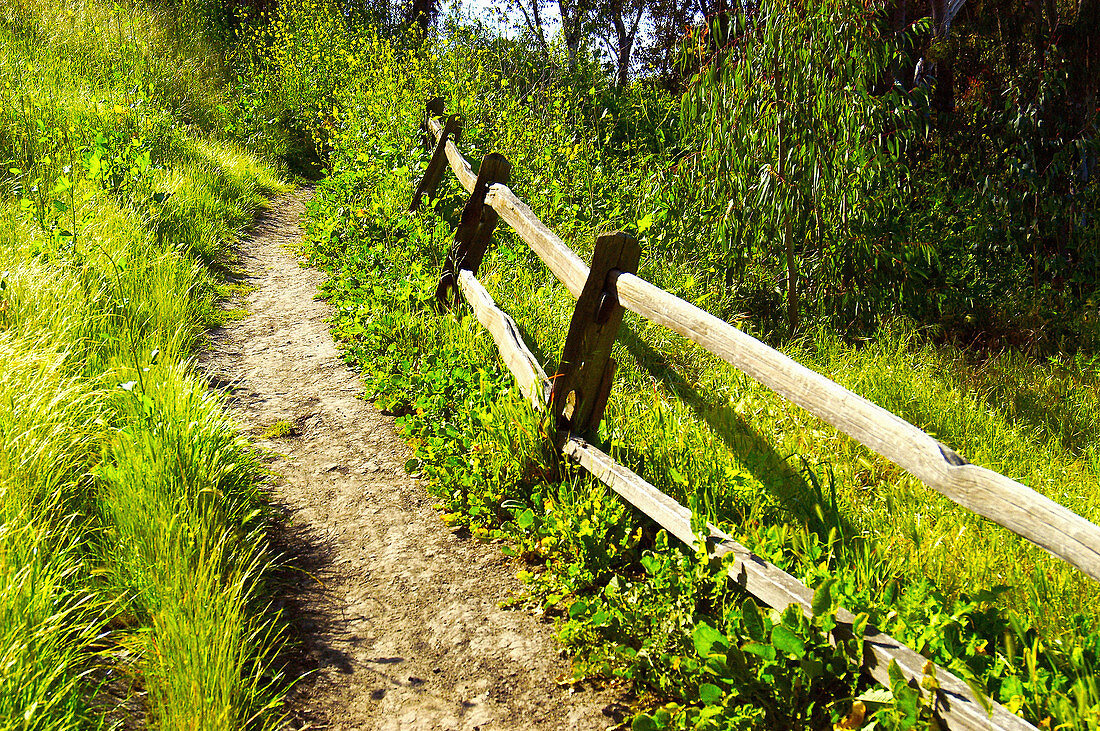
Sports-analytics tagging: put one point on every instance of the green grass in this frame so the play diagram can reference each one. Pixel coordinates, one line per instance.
(279, 430)
(187, 546)
(134, 550)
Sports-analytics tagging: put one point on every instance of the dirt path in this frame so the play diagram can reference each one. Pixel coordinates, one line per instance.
(398, 617)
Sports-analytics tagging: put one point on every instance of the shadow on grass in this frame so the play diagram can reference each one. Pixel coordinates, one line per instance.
(787, 484)
(1044, 413)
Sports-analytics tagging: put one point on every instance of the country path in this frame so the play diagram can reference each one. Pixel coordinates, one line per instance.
(396, 615)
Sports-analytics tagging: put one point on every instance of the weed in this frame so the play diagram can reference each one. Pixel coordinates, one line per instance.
(281, 429)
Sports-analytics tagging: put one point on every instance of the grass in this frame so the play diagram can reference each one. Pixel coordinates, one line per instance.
(134, 550)
(958, 589)
(280, 429)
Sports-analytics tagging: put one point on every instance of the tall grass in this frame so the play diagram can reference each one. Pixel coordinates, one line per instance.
(132, 541)
(186, 541)
(49, 612)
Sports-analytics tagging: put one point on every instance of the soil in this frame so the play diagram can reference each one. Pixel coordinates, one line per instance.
(395, 616)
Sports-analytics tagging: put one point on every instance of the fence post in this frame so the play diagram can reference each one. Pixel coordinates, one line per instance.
(432, 108)
(475, 228)
(452, 129)
(582, 382)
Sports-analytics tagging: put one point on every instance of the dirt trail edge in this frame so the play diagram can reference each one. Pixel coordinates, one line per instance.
(395, 613)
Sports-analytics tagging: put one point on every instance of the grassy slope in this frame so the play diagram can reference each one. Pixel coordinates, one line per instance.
(132, 549)
(783, 482)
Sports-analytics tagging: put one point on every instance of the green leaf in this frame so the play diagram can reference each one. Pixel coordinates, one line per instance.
(753, 620)
(894, 673)
(710, 694)
(706, 638)
(906, 698)
(643, 722)
(907, 701)
(859, 626)
(812, 668)
(526, 519)
(823, 598)
(877, 695)
(760, 650)
(979, 694)
(787, 641)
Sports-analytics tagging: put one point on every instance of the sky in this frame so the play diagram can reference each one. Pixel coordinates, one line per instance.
(490, 12)
(502, 15)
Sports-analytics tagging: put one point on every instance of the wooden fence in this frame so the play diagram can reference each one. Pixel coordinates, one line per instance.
(577, 394)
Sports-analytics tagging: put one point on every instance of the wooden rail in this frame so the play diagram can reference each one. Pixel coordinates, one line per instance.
(1005, 501)
(532, 381)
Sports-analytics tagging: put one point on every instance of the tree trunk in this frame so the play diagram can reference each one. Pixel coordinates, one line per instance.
(942, 72)
(574, 18)
(623, 66)
(624, 36)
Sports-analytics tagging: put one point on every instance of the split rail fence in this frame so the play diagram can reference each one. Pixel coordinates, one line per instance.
(576, 396)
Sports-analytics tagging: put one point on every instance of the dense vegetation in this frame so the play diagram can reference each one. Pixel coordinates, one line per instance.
(133, 546)
(905, 204)
(777, 189)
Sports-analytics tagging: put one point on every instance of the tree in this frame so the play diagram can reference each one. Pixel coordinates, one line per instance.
(781, 117)
(422, 13)
(533, 11)
(576, 19)
(618, 25)
(618, 22)
(575, 16)
(671, 25)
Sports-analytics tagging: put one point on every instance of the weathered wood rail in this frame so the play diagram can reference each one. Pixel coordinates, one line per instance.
(610, 286)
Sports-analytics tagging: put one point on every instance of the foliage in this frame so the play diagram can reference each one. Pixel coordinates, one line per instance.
(804, 158)
(968, 210)
(1007, 175)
